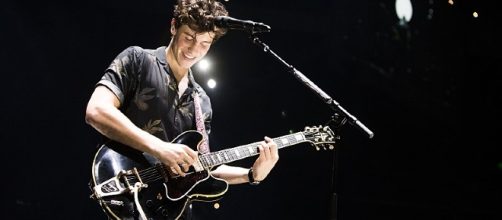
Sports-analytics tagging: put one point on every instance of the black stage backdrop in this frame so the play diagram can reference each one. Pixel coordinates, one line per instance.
(429, 90)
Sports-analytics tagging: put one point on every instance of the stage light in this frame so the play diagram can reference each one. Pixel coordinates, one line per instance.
(211, 83)
(475, 14)
(450, 2)
(204, 65)
(404, 11)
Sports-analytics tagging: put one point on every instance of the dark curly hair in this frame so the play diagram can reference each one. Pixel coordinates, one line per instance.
(199, 14)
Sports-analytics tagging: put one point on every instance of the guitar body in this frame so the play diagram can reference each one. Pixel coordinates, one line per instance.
(165, 196)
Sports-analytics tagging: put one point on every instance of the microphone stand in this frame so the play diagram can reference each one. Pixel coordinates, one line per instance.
(338, 119)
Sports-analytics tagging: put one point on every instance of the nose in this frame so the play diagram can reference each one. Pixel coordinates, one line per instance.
(193, 45)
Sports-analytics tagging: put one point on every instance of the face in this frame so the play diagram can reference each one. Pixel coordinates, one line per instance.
(188, 47)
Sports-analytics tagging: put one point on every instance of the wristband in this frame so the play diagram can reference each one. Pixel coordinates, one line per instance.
(252, 181)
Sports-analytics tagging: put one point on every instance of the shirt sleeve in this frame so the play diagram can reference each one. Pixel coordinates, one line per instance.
(121, 76)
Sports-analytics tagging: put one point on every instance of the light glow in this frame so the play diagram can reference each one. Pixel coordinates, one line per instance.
(204, 65)
(404, 10)
(211, 83)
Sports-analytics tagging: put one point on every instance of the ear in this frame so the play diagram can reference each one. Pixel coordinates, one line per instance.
(173, 27)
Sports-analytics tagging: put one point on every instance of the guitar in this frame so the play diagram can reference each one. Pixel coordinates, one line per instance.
(129, 184)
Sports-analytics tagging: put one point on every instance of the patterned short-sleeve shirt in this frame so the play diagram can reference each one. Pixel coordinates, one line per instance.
(148, 92)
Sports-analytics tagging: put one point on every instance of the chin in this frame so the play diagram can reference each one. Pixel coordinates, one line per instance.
(187, 65)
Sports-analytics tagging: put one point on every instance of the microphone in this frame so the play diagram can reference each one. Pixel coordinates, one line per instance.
(244, 25)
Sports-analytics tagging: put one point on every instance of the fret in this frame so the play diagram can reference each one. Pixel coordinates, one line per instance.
(220, 153)
(284, 141)
(299, 137)
(293, 140)
(231, 154)
(281, 141)
(245, 151)
(250, 149)
(240, 152)
(213, 158)
(201, 160)
(206, 160)
(209, 160)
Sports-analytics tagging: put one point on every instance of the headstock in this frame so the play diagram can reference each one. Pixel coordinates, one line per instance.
(321, 136)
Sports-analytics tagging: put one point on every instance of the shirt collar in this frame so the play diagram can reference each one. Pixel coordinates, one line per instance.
(160, 54)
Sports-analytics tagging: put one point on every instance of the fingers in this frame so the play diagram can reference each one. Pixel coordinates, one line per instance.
(190, 153)
(270, 149)
(182, 157)
(176, 169)
(185, 167)
(265, 150)
(274, 150)
(268, 140)
(188, 157)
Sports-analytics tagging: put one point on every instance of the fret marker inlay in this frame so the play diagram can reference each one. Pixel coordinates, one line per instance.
(298, 137)
(284, 141)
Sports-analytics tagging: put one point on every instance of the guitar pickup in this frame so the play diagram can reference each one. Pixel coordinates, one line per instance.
(113, 202)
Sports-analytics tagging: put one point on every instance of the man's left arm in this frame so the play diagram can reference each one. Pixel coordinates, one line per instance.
(269, 155)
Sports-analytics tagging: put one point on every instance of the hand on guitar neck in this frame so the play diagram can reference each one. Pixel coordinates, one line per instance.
(269, 155)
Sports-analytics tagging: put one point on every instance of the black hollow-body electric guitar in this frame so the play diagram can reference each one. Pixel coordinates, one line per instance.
(129, 184)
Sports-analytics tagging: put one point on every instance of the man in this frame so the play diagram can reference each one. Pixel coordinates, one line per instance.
(146, 98)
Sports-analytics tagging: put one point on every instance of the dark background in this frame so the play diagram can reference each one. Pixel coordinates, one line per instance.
(429, 90)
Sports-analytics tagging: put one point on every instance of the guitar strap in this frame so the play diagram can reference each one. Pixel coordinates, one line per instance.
(199, 121)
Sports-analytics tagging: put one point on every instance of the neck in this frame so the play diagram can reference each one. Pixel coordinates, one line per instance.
(178, 71)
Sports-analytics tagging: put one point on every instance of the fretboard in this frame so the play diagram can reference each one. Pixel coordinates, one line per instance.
(244, 151)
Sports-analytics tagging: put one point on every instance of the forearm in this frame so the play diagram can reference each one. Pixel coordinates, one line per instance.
(232, 174)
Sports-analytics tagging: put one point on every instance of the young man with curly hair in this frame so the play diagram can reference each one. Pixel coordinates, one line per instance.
(146, 98)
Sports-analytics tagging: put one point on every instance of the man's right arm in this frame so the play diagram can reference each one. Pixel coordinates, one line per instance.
(103, 114)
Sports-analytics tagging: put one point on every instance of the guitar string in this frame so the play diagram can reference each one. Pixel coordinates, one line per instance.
(152, 174)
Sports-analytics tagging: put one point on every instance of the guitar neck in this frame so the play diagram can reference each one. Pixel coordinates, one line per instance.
(237, 153)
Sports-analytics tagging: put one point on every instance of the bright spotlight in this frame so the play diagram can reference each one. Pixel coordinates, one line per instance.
(204, 65)
(211, 83)
(404, 10)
